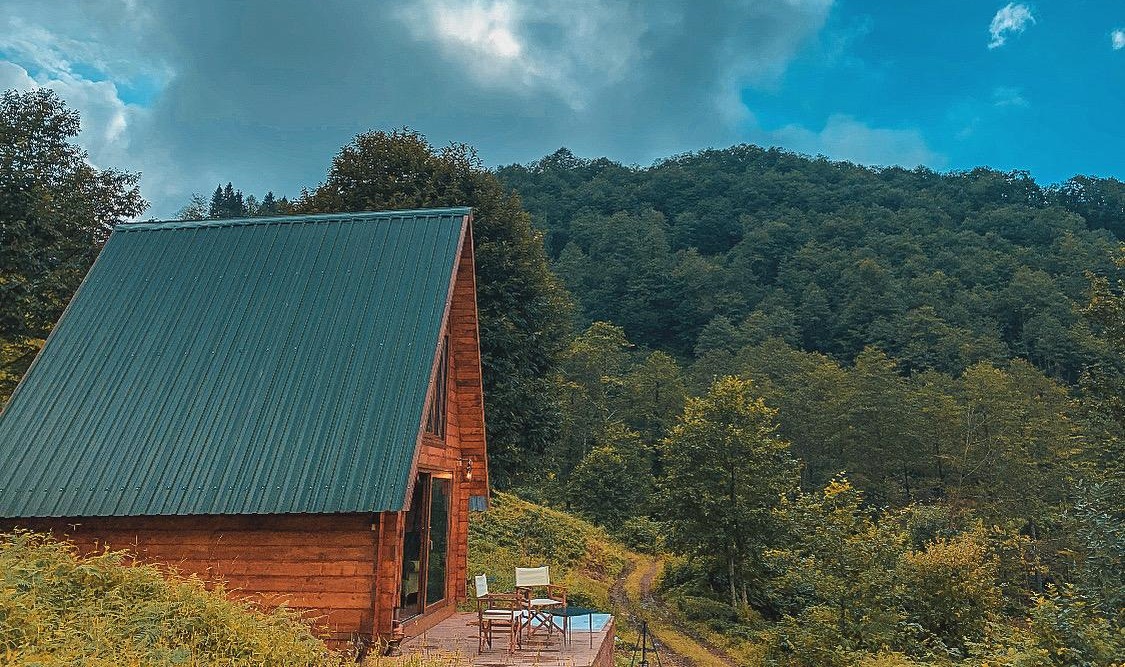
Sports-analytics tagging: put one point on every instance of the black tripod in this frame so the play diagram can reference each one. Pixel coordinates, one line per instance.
(645, 644)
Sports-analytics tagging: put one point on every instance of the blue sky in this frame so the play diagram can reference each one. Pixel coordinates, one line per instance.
(264, 93)
(1048, 100)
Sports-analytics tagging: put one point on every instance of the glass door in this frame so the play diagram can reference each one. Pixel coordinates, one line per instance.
(410, 593)
(425, 545)
(439, 540)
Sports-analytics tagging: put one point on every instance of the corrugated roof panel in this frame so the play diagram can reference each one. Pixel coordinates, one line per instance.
(236, 367)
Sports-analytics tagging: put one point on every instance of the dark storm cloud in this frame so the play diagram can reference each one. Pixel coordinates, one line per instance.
(264, 93)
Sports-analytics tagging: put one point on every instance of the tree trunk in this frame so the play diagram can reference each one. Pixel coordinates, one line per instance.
(733, 583)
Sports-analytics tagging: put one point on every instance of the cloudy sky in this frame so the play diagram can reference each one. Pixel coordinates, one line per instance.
(263, 93)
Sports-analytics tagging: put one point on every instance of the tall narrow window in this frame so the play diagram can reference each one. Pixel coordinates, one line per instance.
(435, 418)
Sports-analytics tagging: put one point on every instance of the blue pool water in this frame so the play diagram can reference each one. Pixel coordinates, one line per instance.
(582, 623)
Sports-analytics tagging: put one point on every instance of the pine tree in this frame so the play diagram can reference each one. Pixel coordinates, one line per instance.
(215, 210)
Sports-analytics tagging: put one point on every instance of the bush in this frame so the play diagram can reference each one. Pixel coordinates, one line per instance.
(1071, 628)
(57, 608)
(706, 609)
(642, 534)
(950, 587)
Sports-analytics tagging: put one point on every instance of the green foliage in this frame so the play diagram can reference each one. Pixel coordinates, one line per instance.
(1103, 382)
(515, 533)
(617, 404)
(725, 469)
(1100, 201)
(941, 271)
(1098, 523)
(705, 609)
(56, 210)
(59, 609)
(1006, 439)
(950, 588)
(1073, 632)
(226, 202)
(642, 534)
(834, 579)
(524, 313)
(613, 483)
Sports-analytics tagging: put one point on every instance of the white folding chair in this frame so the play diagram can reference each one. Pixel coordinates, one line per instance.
(530, 581)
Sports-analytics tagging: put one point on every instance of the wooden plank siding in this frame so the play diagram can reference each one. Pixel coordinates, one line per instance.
(464, 440)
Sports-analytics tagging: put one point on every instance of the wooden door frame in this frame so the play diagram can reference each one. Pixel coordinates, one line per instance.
(426, 501)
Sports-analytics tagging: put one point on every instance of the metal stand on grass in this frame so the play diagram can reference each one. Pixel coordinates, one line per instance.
(645, 644)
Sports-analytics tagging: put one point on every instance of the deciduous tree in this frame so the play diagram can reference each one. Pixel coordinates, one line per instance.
(524, 312)
(725, 470)
(56, 211)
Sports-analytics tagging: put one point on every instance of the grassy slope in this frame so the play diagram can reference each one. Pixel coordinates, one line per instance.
(598, 572)
(514, 533)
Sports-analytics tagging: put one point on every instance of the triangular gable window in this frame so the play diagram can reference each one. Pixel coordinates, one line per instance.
(435, 417)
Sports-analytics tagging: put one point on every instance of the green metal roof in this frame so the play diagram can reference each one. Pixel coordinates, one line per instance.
(264, 365)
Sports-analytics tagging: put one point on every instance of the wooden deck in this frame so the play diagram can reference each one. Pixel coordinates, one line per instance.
(453, 642)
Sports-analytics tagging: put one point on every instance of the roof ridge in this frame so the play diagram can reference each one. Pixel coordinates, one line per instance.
(158, 225)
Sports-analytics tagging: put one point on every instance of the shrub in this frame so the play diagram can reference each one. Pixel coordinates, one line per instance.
(1071, 628)
(950, 587)
(57, 608)
(706, 609)
(642, 534)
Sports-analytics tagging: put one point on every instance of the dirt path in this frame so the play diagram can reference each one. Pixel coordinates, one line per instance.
(632, 593)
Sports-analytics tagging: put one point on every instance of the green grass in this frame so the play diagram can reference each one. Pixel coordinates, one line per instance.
(515, 533)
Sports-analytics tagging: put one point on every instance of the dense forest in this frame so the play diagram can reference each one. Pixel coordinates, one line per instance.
(868, 416)
(877, 410)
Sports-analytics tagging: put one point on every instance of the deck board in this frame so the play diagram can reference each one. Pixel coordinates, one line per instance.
(454, 643)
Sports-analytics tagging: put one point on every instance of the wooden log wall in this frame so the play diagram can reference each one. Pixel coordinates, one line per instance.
(468, 403)
(465, 432)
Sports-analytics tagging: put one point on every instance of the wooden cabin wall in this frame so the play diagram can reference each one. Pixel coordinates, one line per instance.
(466, 407)
(465, 433)
(467, 384)
(323, 563)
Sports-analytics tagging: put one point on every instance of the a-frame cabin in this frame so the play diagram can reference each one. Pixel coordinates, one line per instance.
(290, 404)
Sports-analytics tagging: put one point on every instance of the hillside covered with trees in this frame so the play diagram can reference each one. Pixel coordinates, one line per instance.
(877, 411)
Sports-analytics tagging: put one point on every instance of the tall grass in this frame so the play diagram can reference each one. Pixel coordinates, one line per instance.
(57, 608)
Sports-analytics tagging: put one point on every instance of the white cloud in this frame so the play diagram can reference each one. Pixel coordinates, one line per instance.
(1117, 39)
(264, 94)
(12, 76)
(1011, 19)
(571, 49)
(1006, 96)
(845, 138)
(577, 49)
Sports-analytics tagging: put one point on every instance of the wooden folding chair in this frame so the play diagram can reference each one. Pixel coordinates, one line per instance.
(530, 582)
(497, 612)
